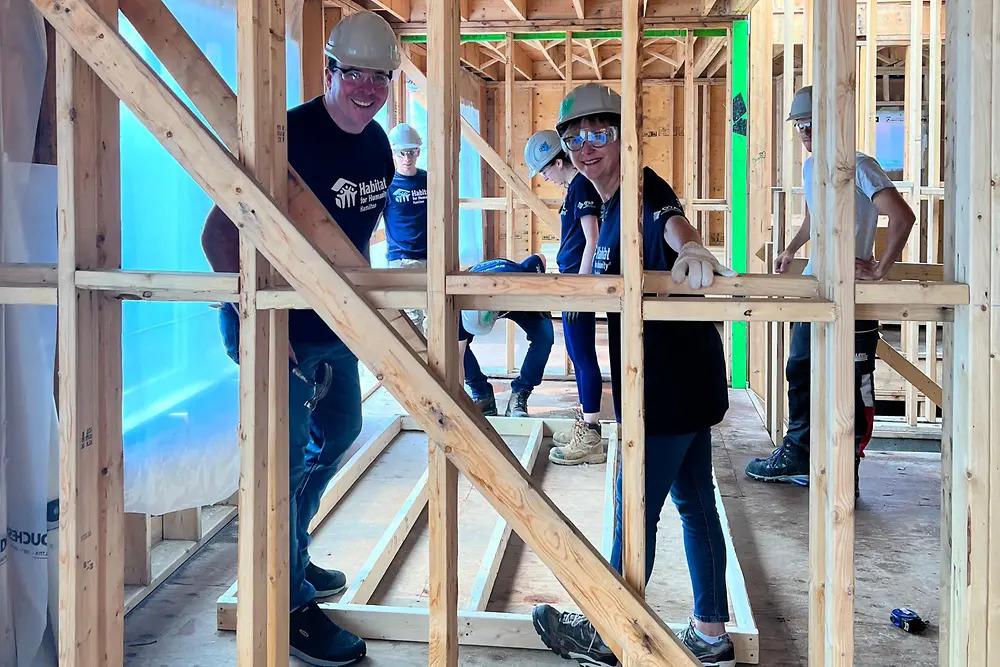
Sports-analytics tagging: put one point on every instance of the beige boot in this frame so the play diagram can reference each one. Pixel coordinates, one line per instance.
(585, 446)
(563, 438)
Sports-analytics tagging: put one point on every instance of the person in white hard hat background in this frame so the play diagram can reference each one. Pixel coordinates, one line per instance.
(406, 209)
(685, 389)
(874, 195)
(345, 159)
(536, 326)
(577, 241)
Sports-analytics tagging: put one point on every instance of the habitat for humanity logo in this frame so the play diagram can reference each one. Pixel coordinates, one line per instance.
(347, 192)
(401, 196)
(371, 192)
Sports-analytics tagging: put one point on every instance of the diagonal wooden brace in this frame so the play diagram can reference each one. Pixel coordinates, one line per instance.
(622, 618)
(217, 102)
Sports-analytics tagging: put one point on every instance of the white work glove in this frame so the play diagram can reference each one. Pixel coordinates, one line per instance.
(699, 265)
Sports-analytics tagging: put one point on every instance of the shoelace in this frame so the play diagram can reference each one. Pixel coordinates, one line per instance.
(573, 620)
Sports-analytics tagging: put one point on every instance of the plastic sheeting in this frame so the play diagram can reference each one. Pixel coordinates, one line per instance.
(28, 430)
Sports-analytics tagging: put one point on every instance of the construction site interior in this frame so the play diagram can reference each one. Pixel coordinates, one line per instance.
(169, 546)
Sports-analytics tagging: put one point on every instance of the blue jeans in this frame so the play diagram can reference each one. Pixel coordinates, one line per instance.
(316, 440)
(579, 333)
(681, 465)
(538, 328)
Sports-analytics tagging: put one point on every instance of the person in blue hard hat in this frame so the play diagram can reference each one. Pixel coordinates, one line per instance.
(685, 389)
(544, 155)
(345, 159)
(406, 209)
(536, 326)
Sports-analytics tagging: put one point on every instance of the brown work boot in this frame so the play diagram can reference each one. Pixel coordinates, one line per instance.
(585, 446)
(563, 437)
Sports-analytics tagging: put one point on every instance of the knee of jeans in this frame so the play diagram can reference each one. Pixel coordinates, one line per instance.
(545, 337)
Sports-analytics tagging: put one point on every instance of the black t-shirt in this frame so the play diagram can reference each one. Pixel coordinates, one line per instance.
(406, 217)
(581, 200)
(350, 174)
(685, 367)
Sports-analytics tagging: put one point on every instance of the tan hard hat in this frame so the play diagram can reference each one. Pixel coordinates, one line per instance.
(588, 100)
(543, 147)
(364, 40)
(802, 104)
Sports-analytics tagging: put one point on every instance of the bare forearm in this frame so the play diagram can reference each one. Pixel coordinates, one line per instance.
(590, 232)
(800, 239)
(679, 231)
(899, 233)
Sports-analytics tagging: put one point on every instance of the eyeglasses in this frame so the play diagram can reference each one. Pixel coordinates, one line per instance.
(596, 138)
(408, 152)
(804, 125)
(357, 77)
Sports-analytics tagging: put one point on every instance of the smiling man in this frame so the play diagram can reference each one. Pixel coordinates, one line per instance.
(344, 158)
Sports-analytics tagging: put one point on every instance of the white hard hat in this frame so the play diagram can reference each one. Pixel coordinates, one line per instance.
(588, 100)
(543, 147)
(478, 322)
(403, 136)
(364, 40)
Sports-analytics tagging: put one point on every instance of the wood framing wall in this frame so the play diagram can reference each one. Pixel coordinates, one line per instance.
(324, 272)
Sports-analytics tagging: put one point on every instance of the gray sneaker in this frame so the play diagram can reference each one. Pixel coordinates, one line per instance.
(720, 654)
(571, 636)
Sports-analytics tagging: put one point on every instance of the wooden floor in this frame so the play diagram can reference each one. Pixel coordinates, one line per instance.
(897, 559)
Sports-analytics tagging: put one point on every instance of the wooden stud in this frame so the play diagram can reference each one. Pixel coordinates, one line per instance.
(776, 361)
(690, 120)
(913, 106)
(442, 240)
(970, 439)
(508, 131)
(138, 545)
(868, 82)
(808, 27)
(182, 525)
(92, 517)
(311, 49)
(831, 480)
(934, 221)
(632, 372)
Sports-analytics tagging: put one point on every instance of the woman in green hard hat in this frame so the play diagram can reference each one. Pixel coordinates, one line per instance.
(685, 392)
(544, 155)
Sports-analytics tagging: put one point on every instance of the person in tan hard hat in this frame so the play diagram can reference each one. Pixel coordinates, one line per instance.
(345, 159)
(544, 155)
(685, 390)
(874, 195)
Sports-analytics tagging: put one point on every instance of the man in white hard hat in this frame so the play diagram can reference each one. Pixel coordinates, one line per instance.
(406, 208)
(536, 326)
(345, 159)
(685, 389)
(544, 155)
(874, 195)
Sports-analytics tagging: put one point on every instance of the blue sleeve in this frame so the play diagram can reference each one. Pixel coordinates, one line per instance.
(583, 198)
(659, 199)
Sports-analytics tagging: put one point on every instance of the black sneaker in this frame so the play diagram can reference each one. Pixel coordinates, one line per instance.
(720, 654)
(785, 464)
(316, 640)
(518, 404)
(326, 582)
(571, 636)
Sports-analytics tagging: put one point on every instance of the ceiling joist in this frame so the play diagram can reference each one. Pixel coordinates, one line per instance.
(519, 8)
(398, 8)
(578, 6)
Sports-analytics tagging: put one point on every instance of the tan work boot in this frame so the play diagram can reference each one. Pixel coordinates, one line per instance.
(564, 437)
(585, 446)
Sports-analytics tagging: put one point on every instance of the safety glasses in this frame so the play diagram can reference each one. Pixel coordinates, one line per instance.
(356, 77)
(596, 138)
(804, 126)
(408, 152)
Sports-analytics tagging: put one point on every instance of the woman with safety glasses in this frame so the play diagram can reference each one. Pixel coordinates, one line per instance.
(544, 155)
(685, 393)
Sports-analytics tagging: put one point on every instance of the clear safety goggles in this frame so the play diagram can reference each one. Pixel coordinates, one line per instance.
(596, 139)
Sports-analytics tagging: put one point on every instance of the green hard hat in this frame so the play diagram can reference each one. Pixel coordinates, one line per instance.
(588, 100)
(802, 104)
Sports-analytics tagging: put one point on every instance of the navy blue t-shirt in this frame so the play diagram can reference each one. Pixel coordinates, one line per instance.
(581, 200)
(350, 174)
(685, 368)
(406, 217)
